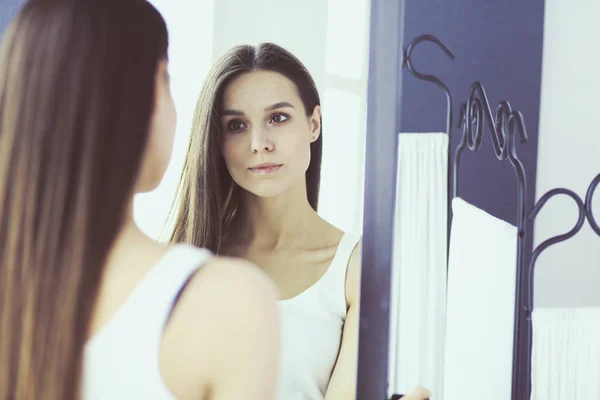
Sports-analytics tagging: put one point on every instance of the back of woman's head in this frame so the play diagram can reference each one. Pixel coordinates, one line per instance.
(208, 200)
(77, 82)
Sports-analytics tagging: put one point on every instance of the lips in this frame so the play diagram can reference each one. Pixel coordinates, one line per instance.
(265, 168)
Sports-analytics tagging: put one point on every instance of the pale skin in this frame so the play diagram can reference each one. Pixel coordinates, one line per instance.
(264, 121)
(212, 348)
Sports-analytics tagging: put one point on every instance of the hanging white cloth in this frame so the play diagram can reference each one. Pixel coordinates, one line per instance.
(566, 354)
(481, 298)
(418, 297)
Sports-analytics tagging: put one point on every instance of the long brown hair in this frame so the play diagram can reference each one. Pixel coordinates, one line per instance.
(77, 82)
(205, 211)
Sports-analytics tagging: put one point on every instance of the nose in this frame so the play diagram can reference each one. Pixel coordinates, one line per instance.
(261, 141)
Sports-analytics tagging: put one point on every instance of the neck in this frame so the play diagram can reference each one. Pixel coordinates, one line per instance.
(276, 222)
(129, 229)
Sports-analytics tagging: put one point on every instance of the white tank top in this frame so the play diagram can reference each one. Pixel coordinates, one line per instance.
(121, 360)
(312, 325)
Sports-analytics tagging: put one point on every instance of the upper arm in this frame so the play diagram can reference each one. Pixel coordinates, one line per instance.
(234, 352)
(342, 385)
(247, 363)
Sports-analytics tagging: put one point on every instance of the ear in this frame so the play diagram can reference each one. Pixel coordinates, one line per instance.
(315, 124)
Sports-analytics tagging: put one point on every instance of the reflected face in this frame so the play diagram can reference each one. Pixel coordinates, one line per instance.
(161, 135)
(266, 132)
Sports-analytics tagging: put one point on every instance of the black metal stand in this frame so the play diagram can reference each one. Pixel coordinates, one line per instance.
(584, 211)
(503, 127)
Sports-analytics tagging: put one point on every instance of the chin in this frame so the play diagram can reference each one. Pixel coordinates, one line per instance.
(147, 187)
(266, 189)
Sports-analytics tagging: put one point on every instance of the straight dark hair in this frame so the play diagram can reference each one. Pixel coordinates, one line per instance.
(77, 82)
(205, 211)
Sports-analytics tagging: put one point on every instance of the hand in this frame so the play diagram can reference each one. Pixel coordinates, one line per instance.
(418, 393)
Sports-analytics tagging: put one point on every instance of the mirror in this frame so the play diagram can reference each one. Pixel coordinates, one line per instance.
(262, 117)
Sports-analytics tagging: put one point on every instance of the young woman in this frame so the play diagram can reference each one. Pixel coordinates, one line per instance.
(250, 189)
(90, 307)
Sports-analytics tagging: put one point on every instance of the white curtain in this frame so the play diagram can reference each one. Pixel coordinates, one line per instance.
(566, 354)
(419, 263)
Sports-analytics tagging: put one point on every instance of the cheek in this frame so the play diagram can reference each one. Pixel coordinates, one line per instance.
(163, 131)
(172, 117)
(158, 153)
(299, 147)
(233, 152)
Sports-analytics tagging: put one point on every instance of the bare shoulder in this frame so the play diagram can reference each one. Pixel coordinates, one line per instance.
(225, 276)
(353, 275)
(228, 288)
(356, 257)
(226, 319)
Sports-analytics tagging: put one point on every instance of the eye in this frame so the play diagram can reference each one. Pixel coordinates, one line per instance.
(235, 125)
(278, 118)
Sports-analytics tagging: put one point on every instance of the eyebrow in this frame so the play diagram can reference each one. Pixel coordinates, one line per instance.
(282, 104)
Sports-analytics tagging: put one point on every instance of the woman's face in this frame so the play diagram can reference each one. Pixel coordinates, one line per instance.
(266, 132)
(161, 135)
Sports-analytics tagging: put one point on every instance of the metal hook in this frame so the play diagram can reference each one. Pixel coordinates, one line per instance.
(558, 238)
(588, 204)
(427, 77)
(528, 306)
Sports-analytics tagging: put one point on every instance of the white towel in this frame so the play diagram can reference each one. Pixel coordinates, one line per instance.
(480, 313)
(566, 354)
(418, 298)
